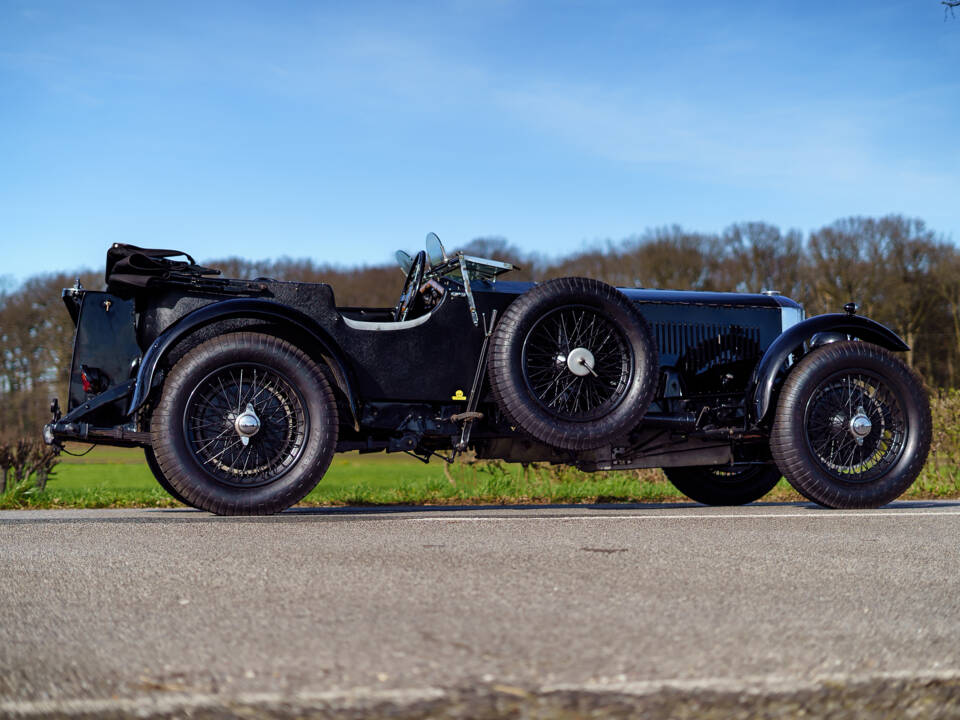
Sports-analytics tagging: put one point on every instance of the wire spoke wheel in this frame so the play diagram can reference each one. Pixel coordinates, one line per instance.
(245, 424)
(577, 363)
(573, 364)
(856, 426)
(852, 427)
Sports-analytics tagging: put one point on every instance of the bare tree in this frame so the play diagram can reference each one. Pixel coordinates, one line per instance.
(908, 255)
(758, 256)
(845, 264)
(946, 281)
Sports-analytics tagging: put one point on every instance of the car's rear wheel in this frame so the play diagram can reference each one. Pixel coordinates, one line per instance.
(151, 459)
(724, 485)
(246, 425)
(573, 363)
(852, 427)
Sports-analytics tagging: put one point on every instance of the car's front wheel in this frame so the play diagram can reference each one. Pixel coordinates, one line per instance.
(726, 485)
(852, 426)
(246, 425)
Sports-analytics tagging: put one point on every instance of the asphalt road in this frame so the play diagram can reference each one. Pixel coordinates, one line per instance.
(176, 605)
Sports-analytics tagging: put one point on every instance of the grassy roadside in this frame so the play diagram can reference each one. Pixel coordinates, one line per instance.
(116, 477)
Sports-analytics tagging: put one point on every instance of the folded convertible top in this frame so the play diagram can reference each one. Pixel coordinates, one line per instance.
(131, 268)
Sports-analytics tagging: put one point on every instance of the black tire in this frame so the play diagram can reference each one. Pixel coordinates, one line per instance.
(727, 485)
(151, 459)
(538, 390)
(852, 426)
(195, 426)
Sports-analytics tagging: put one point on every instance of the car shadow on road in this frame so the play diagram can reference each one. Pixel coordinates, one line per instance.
(513, 512)
(611, 509)
(540, 511)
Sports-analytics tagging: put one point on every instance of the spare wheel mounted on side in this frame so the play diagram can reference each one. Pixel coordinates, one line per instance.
(573, 363)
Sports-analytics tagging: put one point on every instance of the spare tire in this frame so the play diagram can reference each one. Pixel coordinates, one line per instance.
(573, 363)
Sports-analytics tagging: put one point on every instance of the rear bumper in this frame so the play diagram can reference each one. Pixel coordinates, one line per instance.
(56, 433)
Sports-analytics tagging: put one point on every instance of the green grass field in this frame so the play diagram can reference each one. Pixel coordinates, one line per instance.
(119, 477)
(122, 471)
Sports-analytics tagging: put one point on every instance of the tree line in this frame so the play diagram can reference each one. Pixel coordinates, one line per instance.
(901, 272)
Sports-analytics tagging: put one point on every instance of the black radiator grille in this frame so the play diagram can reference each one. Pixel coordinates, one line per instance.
(697, 348)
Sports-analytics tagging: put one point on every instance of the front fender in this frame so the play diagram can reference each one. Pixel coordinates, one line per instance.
(253, 308)
(760, 390)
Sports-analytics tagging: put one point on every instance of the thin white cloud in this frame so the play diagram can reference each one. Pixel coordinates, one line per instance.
(738, 137)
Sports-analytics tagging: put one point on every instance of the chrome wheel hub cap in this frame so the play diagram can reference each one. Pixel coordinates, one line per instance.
(860, 426)
(247, 424)
(580, 361)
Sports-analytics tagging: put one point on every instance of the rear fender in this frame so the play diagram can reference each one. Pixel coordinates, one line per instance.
(240, 308)
(799, 339)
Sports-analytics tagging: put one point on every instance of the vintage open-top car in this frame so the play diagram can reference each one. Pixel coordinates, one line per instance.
(241, 391)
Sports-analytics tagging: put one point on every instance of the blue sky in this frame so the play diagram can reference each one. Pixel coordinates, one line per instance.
(341, 131)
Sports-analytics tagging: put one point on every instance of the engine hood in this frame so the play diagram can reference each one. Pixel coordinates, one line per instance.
(667, 297)
(718, 299)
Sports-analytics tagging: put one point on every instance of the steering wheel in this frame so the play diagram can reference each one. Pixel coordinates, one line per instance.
(410, 287)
